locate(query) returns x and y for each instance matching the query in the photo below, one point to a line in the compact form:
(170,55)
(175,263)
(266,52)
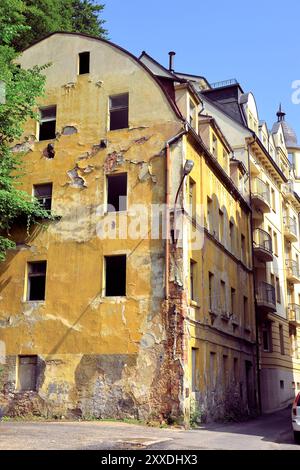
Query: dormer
(188,101)
(248,103)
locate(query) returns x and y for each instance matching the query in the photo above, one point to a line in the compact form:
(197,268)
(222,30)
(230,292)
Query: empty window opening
(235,370)
(43,193)
(193,266)
(194,369)
(118,112)
(84,63)
(47,123)
(117,192)
(115,275)
(37,280)
(210,291)
(27,373)
(212,370)
(282,384)
(281,339)
(266,337)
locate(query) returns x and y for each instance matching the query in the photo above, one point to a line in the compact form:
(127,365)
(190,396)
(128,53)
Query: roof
(133,57)
(290,135)
(160,69)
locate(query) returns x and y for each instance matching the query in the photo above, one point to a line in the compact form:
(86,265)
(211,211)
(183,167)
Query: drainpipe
(254,290)
(167,212)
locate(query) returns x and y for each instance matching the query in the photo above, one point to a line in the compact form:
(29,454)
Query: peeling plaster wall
(105,357)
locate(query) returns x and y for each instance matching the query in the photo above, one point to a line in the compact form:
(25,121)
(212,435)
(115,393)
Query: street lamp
(188,166)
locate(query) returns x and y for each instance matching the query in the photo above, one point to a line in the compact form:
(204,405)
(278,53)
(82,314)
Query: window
(212,370)
(235,370)
(266,337)
(272,277)
(194,369)
(43,193)
(209,215)
(246,311)
(223,296)
(282,384)
(225,371)
(117,192)
(214,148)
(231,235)
(47,123)
(36,280)
(281,338)
(27,373)
(278,293)
(192,197)
(115,275)
(243,248)
(273,200)
(118,111)
(225,154)
(192,114)
(221,225)
(210,287)
(193,266)
(275,242)
(232,294)
(84,63)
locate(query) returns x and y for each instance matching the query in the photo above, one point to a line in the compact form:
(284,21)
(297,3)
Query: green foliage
(23,87)
(46,16)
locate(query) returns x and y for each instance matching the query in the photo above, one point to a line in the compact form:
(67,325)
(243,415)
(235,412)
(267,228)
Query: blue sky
(255,41)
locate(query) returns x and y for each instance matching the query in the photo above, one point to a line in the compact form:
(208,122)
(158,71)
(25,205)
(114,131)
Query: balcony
(262,245)
(290,229)
(261,196)
(265,297)
(294,314)
(288,190)
(292,271)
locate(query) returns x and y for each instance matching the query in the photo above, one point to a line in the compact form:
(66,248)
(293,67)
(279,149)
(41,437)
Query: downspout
(254,290)
(167,211)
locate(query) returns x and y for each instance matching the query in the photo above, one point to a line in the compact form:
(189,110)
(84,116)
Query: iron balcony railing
(292,268)
(294,312)
(290,225)
(265,294)
(231,81)
(261,190)
(262,239)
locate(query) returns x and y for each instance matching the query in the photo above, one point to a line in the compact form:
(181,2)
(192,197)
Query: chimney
(171,65)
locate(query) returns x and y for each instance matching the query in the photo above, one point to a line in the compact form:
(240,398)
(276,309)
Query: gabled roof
(158,69)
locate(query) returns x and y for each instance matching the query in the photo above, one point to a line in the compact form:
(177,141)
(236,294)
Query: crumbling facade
(138,300)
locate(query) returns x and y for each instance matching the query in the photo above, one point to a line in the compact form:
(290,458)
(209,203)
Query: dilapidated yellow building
(136,301)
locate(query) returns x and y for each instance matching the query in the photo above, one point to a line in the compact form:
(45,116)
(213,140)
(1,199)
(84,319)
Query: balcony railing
(262,240)
(292,270)
(290,228)
(294,313)
(265,296)
(261,195)
(231,81)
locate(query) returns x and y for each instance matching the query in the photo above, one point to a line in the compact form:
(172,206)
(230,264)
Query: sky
(257,42)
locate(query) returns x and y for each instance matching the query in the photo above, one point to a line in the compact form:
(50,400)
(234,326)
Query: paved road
(268,432)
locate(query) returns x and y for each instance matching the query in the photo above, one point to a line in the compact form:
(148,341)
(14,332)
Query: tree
(23,87)
(46,16)
(85,18)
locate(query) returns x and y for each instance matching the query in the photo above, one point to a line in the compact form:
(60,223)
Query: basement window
(43,193)
(117,192)
(47,123)
(36,280)
(27,373)
(115,275)
(84,63)
(118,112)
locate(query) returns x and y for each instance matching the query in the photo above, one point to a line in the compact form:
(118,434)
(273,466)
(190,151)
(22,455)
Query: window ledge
(194,303)
(34,302)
